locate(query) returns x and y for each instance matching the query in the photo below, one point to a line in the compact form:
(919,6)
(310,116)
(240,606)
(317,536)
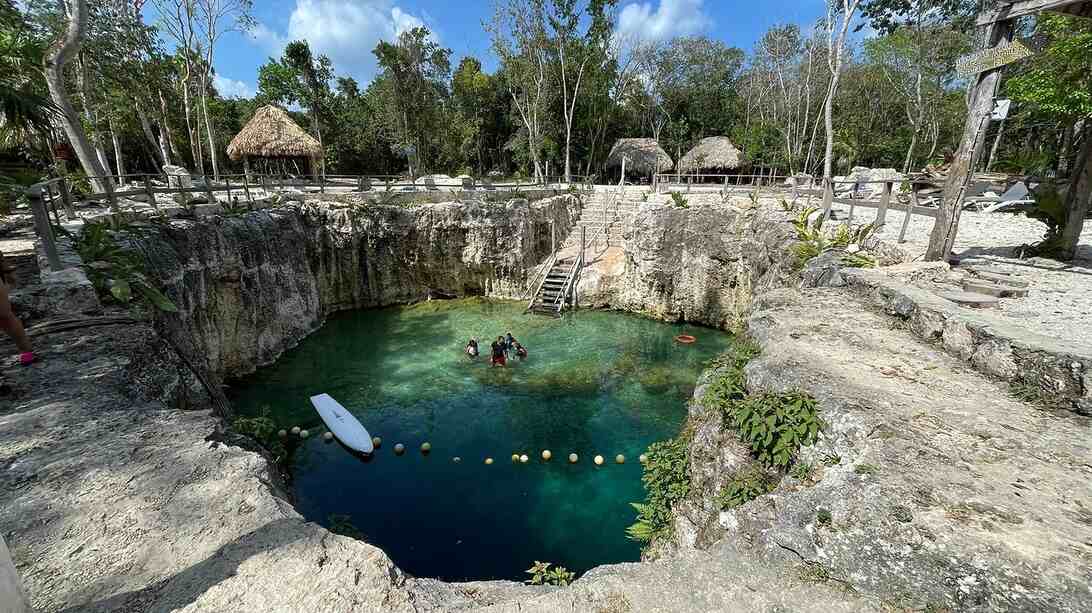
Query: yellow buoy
(643,458)
(523,459)
(546,455)
(456,459)
(399,448)
(488,461)
(304,434)
(426,447)
(573,458)
(329,436)
(515,457)
(295,429)
(376,442)
(282,433)
(620,459)
(598,460)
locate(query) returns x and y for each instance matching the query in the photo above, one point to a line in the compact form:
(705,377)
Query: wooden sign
(1000,109)
(990,59)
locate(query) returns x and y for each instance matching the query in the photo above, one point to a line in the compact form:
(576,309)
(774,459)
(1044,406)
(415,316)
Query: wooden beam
(1023,8)
(970,145)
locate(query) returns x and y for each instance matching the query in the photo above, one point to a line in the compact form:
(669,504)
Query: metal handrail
(559,302)
(542,281)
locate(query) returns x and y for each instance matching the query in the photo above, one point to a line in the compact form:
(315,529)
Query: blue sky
(347,30)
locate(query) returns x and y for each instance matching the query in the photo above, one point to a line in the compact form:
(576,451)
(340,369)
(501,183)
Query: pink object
(26,358)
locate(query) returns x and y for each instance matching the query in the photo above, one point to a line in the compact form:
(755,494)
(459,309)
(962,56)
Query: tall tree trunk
(208,127)
(119,157)
(166,136)
(90,114)
(159,152)
(193,134)
(60,52)
(1078,197)
(982,95)
(1064,150)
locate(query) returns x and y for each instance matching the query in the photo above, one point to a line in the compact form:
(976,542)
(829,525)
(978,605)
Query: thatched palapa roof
(271,133)
(643,155)
(713,152)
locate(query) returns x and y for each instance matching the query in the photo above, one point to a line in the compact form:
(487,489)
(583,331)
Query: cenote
(595,383)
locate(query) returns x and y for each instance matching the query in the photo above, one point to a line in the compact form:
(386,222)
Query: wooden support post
(909,212)
(208,190)
(42,227)
(553,239)
(885,201)
(246,190)
(53,202)
(108,183)
(227,181)
(360,183)
(149,193)
(852,208)
(979,108)
(66,195)
(795,189)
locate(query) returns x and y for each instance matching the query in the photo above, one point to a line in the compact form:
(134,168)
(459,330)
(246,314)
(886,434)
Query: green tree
(416,69)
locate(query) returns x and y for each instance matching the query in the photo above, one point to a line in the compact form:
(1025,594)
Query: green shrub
(777,425)
(542,574)
(667,481)
(343,525)
(743,488)
(116,271)
(814,240)
(679,201)
(823,518)
(262,429)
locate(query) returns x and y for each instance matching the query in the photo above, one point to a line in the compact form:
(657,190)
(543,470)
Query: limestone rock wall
(703,264)
(249,287)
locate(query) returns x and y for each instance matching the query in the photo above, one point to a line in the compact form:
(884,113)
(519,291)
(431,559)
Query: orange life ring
(685,339)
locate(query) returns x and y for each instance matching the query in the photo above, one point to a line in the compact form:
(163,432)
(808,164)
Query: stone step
(993,289)
(970,299)
(1002,279)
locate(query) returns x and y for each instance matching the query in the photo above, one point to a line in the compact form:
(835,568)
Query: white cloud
(231,88)
(346,31)
(672,18)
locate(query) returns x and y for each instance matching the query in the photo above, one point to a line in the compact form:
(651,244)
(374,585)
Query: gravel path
(1059,303)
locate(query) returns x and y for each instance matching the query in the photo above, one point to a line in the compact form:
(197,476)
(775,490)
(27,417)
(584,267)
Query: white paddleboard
(342,423)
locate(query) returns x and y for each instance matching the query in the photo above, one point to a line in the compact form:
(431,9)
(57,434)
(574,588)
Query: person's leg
(11,324)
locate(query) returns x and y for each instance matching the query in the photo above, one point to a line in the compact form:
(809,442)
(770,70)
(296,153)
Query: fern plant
(667,481)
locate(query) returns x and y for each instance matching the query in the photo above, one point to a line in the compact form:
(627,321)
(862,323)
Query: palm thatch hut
(642,155)
(713,153)
(271,134)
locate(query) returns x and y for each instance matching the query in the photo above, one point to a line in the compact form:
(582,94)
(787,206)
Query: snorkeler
(521,351)
(499,348)
(472,349)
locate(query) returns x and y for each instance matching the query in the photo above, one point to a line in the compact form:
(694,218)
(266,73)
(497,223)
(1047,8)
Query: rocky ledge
(119,492)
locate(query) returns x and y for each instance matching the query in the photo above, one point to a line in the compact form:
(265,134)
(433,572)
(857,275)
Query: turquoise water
(595,383)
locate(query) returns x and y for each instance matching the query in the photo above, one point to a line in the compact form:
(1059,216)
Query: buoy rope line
(426,449)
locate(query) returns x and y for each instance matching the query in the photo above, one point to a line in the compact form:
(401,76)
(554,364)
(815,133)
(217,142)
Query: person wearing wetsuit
(521,352)
(499,349)
(472,349)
